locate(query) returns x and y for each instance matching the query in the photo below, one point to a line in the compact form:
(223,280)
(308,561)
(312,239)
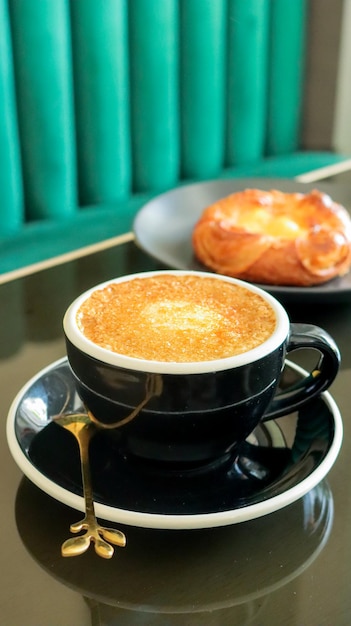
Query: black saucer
(279,463)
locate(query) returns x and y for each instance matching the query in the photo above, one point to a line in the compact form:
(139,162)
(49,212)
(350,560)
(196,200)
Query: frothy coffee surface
(178,318)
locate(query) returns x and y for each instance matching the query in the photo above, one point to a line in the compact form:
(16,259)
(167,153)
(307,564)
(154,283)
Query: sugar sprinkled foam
(176,318)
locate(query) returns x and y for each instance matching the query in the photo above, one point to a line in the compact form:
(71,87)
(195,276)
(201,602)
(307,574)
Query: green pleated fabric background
(101,90)
(43,75)
(154,93)
(286,73)
(248,48)
(202,87)
(11,213)
(105,104)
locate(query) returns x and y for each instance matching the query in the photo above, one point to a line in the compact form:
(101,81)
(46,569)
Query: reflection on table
(179,577)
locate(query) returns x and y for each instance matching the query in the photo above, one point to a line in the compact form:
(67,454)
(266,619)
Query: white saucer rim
(167,521)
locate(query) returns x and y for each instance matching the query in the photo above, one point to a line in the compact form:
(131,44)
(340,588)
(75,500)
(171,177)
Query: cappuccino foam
(176,318)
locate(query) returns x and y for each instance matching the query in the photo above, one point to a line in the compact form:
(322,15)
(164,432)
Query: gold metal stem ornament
(80,425)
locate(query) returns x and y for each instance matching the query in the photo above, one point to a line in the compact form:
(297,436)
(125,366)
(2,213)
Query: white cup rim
(88,347)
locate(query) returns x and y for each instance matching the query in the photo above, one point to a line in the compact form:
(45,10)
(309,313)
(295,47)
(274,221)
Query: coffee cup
(182,365)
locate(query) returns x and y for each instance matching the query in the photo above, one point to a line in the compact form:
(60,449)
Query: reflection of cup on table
(190,577)
(184,365)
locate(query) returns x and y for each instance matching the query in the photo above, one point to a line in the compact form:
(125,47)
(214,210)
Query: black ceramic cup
(193,414)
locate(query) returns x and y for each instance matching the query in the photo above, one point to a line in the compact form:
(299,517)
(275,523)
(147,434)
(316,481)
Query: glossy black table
(289,568)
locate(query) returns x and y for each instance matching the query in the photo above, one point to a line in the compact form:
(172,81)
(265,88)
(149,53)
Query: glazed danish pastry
(277,238)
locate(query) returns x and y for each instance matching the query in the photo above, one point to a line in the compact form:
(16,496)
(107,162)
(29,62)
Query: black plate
(280,462)
(164,225)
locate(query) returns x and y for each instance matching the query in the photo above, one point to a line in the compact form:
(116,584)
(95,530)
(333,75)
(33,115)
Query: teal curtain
(43,73)
(248,45)
(11,207)
(286,71)
(202,86)
(153,31)
(101,79)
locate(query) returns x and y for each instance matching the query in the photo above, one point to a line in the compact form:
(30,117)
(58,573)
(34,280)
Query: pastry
(277,238)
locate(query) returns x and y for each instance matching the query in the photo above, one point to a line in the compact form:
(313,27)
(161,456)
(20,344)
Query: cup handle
(318,380)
